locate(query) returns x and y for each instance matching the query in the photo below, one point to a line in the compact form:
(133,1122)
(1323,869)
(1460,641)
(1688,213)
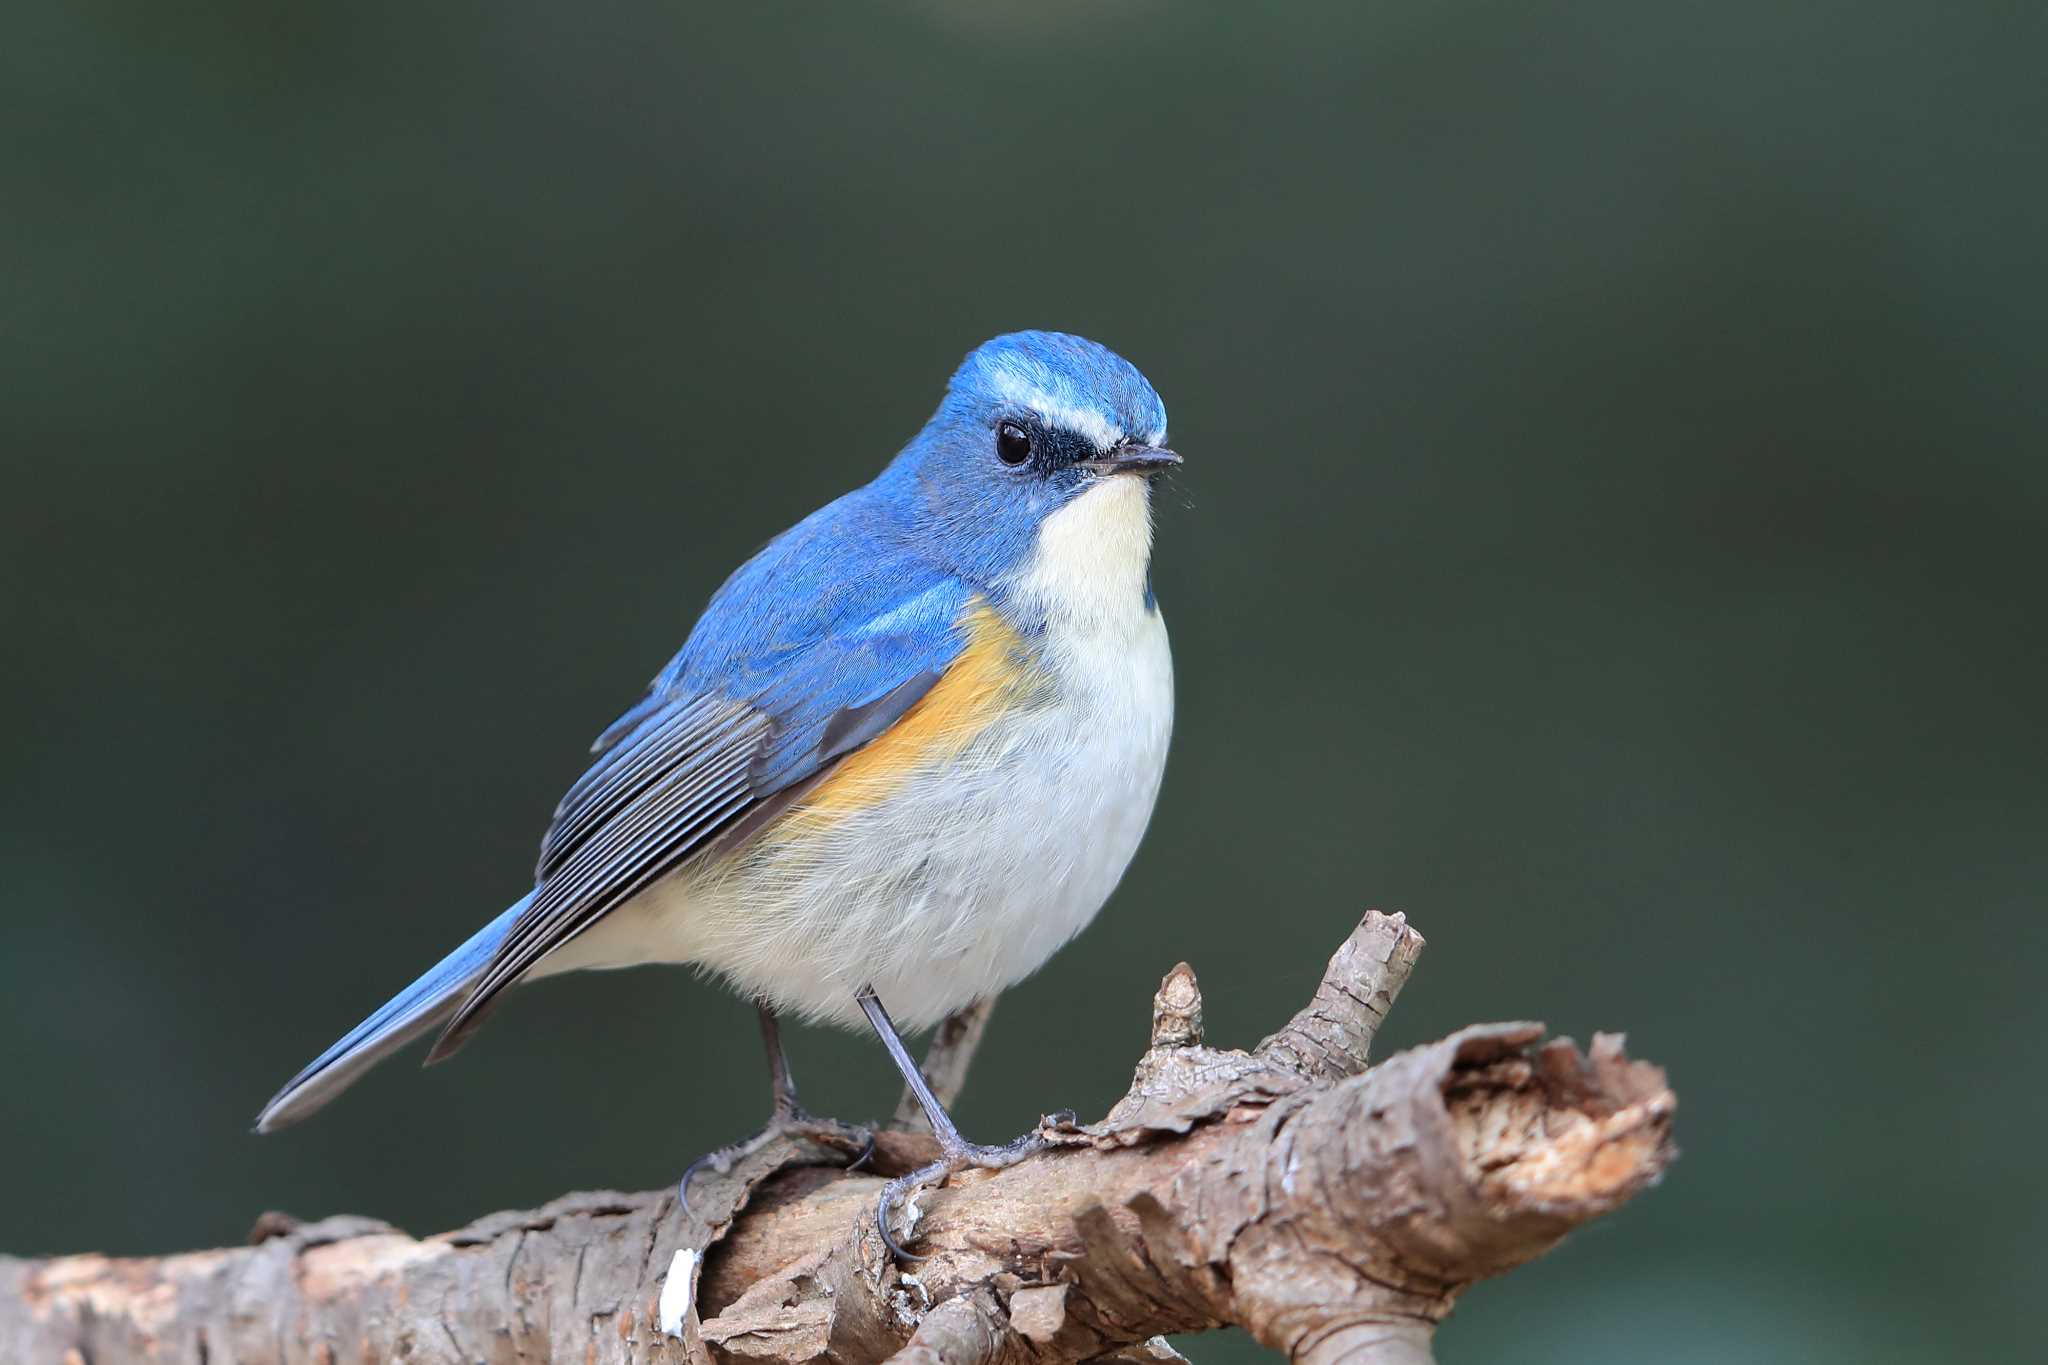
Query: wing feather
(663,743)
(643,836)
(691,764)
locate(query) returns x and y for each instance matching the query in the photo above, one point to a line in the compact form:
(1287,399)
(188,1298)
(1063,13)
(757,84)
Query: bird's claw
(957,1156)
(894,1193)
(794,1124)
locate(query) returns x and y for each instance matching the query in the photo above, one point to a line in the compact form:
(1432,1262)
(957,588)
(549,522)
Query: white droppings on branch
(678,1292)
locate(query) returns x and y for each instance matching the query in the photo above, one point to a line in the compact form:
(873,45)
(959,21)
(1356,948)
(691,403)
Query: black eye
(1013,443)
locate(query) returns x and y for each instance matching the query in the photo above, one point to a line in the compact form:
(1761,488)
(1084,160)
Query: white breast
(968,878)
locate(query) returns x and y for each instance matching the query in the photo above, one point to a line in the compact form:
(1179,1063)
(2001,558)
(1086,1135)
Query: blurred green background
(1612,532)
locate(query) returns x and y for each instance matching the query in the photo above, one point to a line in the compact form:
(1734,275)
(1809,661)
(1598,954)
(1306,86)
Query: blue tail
(422,1006)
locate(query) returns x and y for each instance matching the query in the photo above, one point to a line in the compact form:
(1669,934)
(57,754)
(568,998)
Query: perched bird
(905,754)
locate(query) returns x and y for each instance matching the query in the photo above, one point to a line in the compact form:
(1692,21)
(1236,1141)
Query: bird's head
(1038,464)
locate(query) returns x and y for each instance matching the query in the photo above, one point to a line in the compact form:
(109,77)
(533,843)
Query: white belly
(961,883)
(971,874)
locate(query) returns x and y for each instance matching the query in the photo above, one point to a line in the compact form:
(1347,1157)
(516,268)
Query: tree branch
(1335,1212)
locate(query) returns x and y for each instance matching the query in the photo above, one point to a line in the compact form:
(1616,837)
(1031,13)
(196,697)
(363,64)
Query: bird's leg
(786,1118)
(946,1062)
(957,1153)
(782,1085)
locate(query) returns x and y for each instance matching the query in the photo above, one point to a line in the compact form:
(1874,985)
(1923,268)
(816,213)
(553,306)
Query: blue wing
(815,646)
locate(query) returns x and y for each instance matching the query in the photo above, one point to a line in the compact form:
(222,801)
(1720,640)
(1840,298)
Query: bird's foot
(855,1142)
(956,1155)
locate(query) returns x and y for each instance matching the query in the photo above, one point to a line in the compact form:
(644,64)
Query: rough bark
(1334,1211)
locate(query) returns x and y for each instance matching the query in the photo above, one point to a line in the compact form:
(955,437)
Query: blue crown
(1070,380)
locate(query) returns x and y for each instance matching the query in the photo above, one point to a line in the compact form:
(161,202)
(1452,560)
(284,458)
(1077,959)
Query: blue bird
(905,754)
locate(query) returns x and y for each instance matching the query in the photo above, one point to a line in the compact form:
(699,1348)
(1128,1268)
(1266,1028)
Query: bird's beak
(1132,458)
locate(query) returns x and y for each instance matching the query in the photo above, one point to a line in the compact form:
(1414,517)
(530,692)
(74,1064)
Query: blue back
(865,592)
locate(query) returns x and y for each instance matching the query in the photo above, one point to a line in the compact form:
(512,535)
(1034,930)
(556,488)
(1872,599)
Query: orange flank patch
(990,673)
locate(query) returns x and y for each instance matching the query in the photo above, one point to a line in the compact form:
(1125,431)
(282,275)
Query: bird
(906,753)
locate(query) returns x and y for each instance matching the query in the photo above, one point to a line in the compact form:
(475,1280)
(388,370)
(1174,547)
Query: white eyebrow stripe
(1086,423)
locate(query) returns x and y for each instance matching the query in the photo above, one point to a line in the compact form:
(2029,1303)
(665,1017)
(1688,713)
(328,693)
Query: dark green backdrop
(1611,532)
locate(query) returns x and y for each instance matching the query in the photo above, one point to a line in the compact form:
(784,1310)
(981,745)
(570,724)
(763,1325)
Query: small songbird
(906,753)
